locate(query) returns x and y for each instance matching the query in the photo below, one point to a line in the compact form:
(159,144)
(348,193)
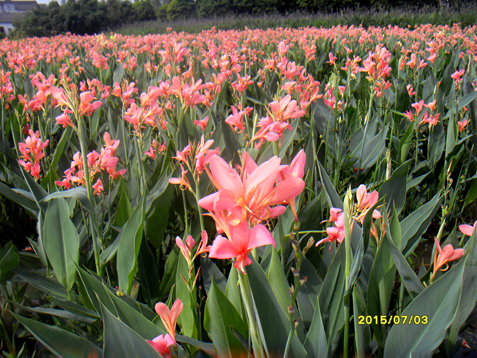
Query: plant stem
(96,243)
(199,208)
(248,303)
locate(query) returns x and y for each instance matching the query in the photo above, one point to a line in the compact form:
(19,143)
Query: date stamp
(388,320)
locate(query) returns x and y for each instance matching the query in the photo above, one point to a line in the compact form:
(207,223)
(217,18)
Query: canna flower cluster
(365,201)
(32,152)
(106,161)
(245,200)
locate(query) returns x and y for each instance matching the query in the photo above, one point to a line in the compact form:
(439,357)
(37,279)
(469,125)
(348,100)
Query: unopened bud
(296,273)
(303,280)
(309,244)
(291,309)
(292,290)
(296,322)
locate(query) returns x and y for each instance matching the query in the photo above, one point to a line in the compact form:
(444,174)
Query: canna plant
(294,193)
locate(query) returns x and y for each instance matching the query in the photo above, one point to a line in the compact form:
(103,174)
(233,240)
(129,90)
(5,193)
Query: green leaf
(29,205)
(45,284)
(288,138)
(61,242)
(232,291)
(155,193)
(220,317)
(308,294)
(168,278)
(315,342)
(156,223)
(278,282)
(148,275)
(274,323)
(59,313)
(394,189)
(187,319)
(415,224)
(408,276)
(381,282)
(211,273)
(331,299)
(128,250)
(438,302)
(122,341)
(80,193)
(60,148)
(466,99)
(332,196)
(8,259)
(60,342)
(405,142)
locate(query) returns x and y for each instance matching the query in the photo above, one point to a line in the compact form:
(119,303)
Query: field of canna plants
(258,193)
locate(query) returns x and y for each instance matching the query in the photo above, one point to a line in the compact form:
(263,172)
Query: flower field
(260,193)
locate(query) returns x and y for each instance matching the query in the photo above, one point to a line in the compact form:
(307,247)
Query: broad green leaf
(60,148)
(381,282)
(274,324)
(8,259)
(79,193)
(188,318)
(308,294)
(59,313)
(315,342)
(232,291)
(331,300)
(405,142)
(408,276)
(122,341)
(45,284)
(156,222)
(60,342)
(466,99)
(278,282)
(332,196)
(128,250)
(288,138)
(61,242)
(210,272)
(436,308)
(155,193)
(416,223)
(167,280)
(394,189)
(220,316)
(148,275)
(29,205)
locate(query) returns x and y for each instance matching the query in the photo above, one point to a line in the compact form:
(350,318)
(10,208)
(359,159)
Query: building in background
(11,8)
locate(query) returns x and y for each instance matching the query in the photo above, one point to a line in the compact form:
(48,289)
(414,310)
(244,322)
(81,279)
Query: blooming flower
(447,254)
(242,241)
(161,344)
(467,229)
(169,317)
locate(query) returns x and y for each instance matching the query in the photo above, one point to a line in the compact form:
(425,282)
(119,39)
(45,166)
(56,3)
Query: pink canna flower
(366,201)
(242,241)
(447,254)
(457,75)
(202,123)
(467,229)
(169,317)
(334,234)
(285,109)
(161,344)
(249,197)
(32,153)
(235,120)
(462,124)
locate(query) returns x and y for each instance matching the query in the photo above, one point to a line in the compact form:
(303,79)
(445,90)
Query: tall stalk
(347,212)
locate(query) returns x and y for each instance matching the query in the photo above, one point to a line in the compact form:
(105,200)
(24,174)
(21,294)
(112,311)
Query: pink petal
(287,189)
(264,176)
(260,236)
(466,229)
(225,175)
(223,249)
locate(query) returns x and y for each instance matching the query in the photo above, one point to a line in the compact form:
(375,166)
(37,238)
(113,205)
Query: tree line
(93,16)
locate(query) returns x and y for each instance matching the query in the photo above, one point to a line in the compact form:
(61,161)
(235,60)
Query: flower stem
(248,303)
(96,243)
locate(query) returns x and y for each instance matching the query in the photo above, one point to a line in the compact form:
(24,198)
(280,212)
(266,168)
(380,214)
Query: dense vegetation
(93,16)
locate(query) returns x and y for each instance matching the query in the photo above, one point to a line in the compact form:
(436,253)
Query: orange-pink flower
(447,254)
(467,229)
(241,241)
(161,344)
(169,317)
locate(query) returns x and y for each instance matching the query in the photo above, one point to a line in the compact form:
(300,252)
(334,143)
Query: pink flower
(447,254)
(161,344)
(235,120)
(202,123)
(169,317)
(242,241)
(467,229)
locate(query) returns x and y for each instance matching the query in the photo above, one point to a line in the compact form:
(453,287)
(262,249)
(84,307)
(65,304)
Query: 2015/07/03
(423,320)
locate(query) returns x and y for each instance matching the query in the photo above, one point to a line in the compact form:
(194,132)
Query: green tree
(144,10)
